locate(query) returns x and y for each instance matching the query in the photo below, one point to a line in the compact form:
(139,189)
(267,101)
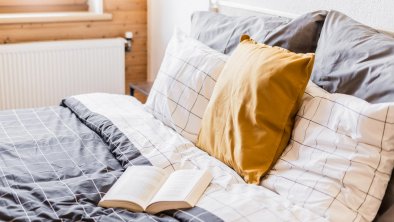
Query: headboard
(377,14)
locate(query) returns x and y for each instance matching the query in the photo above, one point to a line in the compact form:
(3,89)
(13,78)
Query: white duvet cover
(228,197)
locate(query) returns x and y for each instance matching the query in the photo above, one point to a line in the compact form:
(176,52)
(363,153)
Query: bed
(57,163)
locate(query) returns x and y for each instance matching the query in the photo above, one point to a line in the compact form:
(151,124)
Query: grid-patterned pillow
(184,84)
(340,157)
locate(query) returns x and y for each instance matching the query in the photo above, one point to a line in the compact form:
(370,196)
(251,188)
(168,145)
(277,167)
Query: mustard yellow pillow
(251,113)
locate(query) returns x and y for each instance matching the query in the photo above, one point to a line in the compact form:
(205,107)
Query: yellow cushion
(251,113)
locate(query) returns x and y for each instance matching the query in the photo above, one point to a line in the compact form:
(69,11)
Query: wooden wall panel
(128,15)
(15,6)
(41,2)
(49,8)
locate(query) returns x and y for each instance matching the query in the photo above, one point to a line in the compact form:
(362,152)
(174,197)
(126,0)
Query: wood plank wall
(17,6)
(128,15)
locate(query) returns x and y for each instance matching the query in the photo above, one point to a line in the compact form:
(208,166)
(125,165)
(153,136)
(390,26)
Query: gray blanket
(57,162)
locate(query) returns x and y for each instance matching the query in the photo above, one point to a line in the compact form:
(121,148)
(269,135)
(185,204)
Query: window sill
(16,18)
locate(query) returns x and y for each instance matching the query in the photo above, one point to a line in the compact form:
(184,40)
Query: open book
(151,189)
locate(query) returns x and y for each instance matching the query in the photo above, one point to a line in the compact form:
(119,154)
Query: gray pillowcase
(222,32)
(300,35)
(354,59)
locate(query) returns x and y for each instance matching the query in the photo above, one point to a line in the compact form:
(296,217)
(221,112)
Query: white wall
(163,17)
(375,13)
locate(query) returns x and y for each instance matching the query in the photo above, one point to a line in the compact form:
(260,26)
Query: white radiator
(43,73)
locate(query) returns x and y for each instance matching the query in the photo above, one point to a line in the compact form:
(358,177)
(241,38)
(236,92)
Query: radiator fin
(41,74)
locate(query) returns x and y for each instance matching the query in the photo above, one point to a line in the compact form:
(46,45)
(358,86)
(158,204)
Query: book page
(137,184)
(180,184)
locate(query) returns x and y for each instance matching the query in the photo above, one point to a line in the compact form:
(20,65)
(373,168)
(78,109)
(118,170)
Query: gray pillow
(222,32)
(354,59)
(300,35)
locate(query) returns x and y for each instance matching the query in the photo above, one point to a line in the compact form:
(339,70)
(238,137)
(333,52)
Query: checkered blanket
(57,162)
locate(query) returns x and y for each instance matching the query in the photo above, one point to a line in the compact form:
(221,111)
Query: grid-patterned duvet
(57,162)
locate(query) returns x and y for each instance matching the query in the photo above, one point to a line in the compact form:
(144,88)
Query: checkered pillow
(184,84)
(340,157)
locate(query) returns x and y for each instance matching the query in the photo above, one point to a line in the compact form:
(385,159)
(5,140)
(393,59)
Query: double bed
(56,163)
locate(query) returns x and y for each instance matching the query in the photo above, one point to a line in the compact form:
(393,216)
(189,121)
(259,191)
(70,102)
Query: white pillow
(340,157)
(184,84)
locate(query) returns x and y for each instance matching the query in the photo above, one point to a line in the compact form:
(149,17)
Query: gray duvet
(57,162)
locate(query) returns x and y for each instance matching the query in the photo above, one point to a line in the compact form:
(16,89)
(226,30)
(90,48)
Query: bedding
(355,59)
(57,162)
(249,119)
(340,156)
(184,84)
(300,35)
(222,32)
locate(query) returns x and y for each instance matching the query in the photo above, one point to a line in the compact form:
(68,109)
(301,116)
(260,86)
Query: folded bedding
(57,162)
